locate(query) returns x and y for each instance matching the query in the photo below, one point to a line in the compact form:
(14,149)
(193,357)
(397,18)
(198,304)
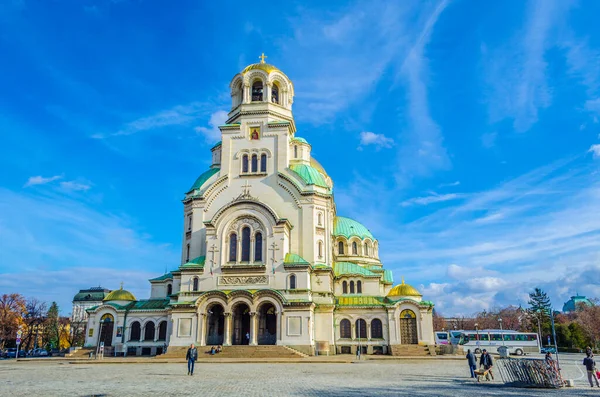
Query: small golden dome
(404,290)
(120,295)
(262,65)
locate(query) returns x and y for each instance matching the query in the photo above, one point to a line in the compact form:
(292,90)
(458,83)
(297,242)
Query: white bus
(517,343)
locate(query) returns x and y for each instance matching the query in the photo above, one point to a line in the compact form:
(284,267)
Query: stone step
(262,351)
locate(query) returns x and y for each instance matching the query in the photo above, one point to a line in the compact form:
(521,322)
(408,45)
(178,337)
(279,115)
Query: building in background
(571,304)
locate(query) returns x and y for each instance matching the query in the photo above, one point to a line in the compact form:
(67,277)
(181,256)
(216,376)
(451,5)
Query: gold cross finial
(121,285)
(262,57)
(402,280)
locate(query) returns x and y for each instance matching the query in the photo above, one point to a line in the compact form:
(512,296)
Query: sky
(464,134)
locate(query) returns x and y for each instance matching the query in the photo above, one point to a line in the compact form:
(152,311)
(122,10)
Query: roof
(388,277)
(120,295)
(361,301)
(216,145)
(294,259)
(403,290)
(571,304)
(194,263)
(92,294)
(203,178)
(267,67)
(310,175)
(349,228)
(315,164)
(150,304)
(299,139)
(352,269)
(166,276)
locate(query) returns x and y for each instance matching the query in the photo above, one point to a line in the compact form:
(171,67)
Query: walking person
(590,366)
(472,361)
(191,357)
(486,361)
(247,338)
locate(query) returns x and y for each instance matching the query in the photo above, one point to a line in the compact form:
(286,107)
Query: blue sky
(464,134)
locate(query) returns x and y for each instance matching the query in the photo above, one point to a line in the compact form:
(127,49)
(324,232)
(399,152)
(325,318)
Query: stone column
(368,331)
(353,330)
(246,94)
(156,332)
(227,341)
(252,238)
(253,329)
(200,337)
(267,93)
(279,322)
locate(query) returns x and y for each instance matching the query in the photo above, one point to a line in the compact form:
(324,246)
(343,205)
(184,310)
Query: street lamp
(501,331)
(477,330)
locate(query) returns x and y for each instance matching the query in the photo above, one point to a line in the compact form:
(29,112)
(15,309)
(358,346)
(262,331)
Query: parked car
(12,353)
(40,353)
(548,349)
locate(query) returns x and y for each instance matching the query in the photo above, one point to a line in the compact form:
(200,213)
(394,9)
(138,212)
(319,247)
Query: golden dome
(404,290)
(262,65)
(120,295)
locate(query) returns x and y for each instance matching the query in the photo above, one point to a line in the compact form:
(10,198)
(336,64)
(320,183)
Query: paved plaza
(431,377)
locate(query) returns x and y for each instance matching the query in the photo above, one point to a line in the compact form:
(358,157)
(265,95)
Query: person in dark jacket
(472,361)
(590,366)
(191,357)
(486,361)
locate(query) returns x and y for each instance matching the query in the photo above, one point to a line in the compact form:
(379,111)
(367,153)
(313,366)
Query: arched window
(254,163)
(246,244)
(263,163)
(275,94)
(361,328)
(351,287)
(258,247)
(233,248)
(245,163)
(366,249)
(354,248)
(359,287)
(136,331)
(162,330)
(169,289)
(149,331)
(376,329)
(195,286)
(345,331)
(257,91)
(320,219)
(341,248)
(295,151)
(187,253)
(189,222)
(320,249)
(345,287)
(293,281)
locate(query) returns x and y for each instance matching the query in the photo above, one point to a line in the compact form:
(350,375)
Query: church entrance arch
(408,328)
(267,324)
(241,325)
(216,325)
(107,323)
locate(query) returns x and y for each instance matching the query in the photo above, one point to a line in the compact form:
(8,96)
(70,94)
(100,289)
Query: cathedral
(265,257)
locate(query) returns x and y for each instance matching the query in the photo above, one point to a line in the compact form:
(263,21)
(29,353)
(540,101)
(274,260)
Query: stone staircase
(238,351)
(412,350)
(81,353)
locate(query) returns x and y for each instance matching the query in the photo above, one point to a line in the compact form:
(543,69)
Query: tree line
(41,325)
(575,330)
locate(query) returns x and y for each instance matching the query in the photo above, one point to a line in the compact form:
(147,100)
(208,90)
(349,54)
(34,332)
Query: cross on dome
(262,57)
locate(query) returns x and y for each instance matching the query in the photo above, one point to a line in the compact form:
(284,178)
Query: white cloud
(377,140)
(450,184)
(434,198)
(75,186)
(595,149)
(40,180)
(212,134)
(593,106)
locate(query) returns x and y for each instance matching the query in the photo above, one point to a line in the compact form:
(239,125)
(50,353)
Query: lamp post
(477,330)
(359,345)
(501,331)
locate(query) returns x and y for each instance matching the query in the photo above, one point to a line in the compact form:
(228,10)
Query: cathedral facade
(265,258)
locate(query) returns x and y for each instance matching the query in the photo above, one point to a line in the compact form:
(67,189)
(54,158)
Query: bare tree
(12,310)
(33,323)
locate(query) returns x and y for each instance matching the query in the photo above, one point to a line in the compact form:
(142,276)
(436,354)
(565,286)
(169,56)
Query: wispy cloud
(517,72)
(378,140)
(75,186)
(450,184)
(595,149)
(40,180)
(212,133)
(433,198)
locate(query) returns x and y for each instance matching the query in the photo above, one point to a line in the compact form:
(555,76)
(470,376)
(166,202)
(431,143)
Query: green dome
(310,175)
(571,304)
(300,140)
(349,228)
(203,178)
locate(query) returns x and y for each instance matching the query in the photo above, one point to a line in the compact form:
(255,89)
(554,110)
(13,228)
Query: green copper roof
(352,269)
(388,277)
(310,175)
(216,145)
(150,304)
(166,276)
(92,294)
(361,301)
(298,139)
(203,178)
(349,227)
(294,259)
(194,263)
(571,304)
